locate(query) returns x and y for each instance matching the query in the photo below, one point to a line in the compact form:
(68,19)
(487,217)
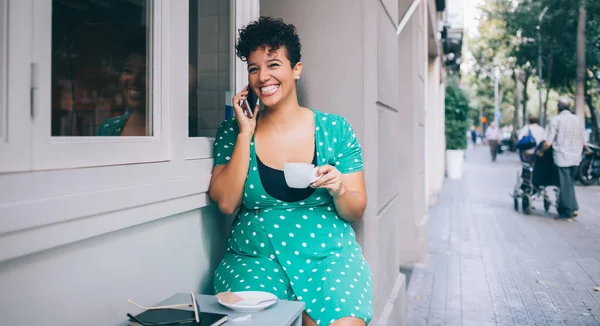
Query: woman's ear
(297,70)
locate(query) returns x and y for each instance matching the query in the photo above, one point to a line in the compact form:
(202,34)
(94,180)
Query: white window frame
(15,137)
(242,12)
(246,11)
(74,152)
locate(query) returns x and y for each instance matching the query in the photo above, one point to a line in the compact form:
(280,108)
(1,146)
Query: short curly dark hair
(271,32)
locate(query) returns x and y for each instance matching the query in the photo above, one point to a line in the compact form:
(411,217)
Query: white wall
(434,132)
(89,282)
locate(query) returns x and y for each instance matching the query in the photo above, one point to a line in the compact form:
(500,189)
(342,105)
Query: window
(216,74)
(81,69)
(100,68)
(100,55)
(210,54)
(15,76)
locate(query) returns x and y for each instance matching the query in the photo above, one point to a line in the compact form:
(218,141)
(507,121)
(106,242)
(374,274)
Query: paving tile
(490,265)
(477,323)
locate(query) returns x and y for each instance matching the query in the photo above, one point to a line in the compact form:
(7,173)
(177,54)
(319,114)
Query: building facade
(88,221)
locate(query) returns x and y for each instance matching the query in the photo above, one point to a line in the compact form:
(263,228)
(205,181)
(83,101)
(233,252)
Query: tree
(516,43)
(575,59)
(581,71)
(490,51)
(515,119)
(590,103)
(522,31)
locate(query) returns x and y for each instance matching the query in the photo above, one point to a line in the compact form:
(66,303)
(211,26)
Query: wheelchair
(537,179)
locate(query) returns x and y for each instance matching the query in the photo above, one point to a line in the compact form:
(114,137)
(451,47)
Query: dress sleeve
(225,141)
(349,153)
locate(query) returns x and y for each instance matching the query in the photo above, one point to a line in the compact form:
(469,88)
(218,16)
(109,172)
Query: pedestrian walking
(492,136)
(566,135)
(474,136)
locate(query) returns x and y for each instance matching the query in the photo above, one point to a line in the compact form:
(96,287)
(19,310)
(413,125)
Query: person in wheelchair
(537,172)
(544,172)
(530,136)
(531,140)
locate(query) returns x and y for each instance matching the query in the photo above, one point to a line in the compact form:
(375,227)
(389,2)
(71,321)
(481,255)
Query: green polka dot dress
(298,250)
(113,126)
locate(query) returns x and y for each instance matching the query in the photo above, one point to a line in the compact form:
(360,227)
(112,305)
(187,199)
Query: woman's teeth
(269,89)
(133,93)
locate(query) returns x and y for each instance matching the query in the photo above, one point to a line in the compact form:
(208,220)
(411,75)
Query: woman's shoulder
(116,120)
(331,120)
(112,126)
(228,126)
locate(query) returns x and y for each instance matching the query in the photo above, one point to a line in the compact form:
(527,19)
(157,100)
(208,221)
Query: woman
(537,132)
(295,243)
(132,82)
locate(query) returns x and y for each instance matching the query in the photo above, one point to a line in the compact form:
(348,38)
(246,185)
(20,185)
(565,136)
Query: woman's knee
(349,321)
(306,320)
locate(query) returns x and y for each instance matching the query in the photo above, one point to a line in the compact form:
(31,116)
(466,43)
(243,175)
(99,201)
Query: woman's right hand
(246,125)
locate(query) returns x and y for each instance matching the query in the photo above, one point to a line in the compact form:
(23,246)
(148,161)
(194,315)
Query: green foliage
(508,37)
(457,110)
(491,49)
(480,91)
(558,32)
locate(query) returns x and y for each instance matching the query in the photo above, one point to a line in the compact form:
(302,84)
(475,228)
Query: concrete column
(388,205)
(413,242)
(434,132)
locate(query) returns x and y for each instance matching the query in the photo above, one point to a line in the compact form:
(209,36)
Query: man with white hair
(566,135)
(492,136)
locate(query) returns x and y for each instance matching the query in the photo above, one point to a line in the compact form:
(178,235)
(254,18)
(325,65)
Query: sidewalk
(489,265)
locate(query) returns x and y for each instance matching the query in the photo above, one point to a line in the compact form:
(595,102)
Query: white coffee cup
(300,175)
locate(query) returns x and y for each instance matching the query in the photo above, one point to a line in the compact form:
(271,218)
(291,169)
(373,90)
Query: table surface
(282,313)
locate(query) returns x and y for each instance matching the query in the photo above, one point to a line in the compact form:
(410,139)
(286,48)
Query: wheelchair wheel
(516,202)
(547,204)
(526,204)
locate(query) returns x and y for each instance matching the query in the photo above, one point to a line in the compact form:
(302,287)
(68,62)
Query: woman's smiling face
(133,81)
(271,76)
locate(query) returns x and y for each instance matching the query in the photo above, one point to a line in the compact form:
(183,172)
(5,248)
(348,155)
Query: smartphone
(251,101)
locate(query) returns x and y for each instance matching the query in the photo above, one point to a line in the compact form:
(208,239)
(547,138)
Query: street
(490,265)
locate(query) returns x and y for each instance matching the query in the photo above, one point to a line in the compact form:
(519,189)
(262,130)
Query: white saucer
(251,298)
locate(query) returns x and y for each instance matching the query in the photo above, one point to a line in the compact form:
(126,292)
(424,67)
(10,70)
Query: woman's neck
(137,117)
(284,114)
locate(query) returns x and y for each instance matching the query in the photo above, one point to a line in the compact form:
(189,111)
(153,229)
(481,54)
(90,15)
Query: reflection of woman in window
(132,82)
(295,243)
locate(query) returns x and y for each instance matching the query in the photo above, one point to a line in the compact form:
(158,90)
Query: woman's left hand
(331,179)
